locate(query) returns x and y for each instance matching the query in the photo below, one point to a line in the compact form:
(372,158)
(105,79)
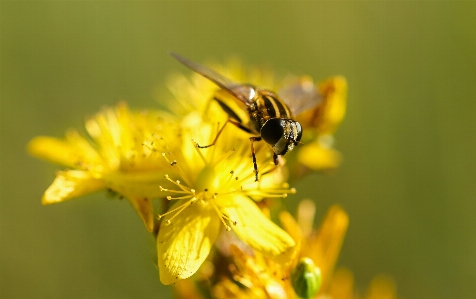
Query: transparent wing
(300,96)
(242,92)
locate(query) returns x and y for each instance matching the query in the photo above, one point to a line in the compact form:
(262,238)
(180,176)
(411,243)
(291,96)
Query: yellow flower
(113,158)
(326,117)
(320,124)
(322,245)
(252,275)
(259,275)
(213,190)
(342,287)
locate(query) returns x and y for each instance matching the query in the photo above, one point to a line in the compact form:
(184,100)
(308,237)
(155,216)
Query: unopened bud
(306,278)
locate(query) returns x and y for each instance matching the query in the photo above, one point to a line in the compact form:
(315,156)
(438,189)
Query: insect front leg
(216,137)
(253,156)
(277,163)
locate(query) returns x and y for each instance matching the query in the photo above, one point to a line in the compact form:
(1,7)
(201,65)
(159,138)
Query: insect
(271,114)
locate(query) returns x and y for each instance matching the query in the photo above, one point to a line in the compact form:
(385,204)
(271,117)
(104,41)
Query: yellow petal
(334,90)
(187,289)
(324,249)
(136,184)
(292,228)
(341,286)
(70,184)
(382,287)
(256,230)
(185,243)
(327,116)
(54,150)
(317,157)
(144,208)
(70,152)
(290,225)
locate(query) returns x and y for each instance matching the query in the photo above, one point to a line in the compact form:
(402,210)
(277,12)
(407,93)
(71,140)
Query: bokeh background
(408,180)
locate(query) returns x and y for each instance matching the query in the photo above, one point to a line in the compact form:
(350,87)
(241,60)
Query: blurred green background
(408,180)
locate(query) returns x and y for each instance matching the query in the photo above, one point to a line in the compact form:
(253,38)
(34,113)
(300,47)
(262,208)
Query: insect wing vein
(235,89)
(300,97)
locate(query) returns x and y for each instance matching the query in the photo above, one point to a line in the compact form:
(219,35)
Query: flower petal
(70,184)
(334,90)
(382,287)
(317,157)
(144,208)
(256,230)
(54,150)
(341,285)
(325,247)
(185,243)
(71,151)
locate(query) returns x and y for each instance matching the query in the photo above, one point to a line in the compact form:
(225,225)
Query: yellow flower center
(207,180)
(212,185)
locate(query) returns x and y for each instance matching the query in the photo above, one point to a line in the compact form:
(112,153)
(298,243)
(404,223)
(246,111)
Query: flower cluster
(214,218)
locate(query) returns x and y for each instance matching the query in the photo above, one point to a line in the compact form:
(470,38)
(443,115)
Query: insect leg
(253,155)
(216,137)
(240,125)
(277,164)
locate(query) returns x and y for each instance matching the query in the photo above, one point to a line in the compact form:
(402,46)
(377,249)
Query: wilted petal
(70,184)
(256,230)
(185,243)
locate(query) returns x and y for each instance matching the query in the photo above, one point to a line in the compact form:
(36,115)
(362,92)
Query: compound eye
(272,131)
(299,132)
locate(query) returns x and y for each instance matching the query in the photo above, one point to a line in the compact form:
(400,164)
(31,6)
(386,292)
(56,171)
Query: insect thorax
(267,105)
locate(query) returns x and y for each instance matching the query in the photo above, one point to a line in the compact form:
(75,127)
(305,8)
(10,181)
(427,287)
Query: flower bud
(306,278)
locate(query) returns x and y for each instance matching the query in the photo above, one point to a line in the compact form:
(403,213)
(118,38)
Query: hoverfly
(271,115)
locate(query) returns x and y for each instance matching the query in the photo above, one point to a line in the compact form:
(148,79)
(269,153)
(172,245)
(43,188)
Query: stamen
(222,216)
(150,146)
(275,193)
(174,163)
(181,197)
(179,209)
(174,191)
(229,219)
(230,177)
(247,177)
(177,183)
(195,145)
(165,157)
(223,157)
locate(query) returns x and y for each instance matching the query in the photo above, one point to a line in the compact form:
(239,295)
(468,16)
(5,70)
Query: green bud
(306,278)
